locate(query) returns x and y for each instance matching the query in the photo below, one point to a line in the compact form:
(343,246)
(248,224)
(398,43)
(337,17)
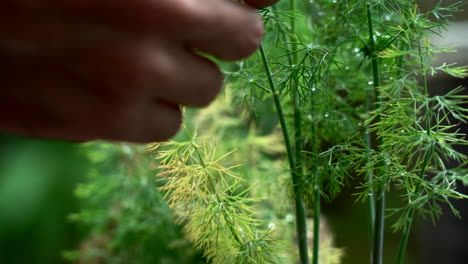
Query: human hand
(115,69)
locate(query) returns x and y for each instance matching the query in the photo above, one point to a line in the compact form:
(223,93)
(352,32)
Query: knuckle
(165,69)
(186,10)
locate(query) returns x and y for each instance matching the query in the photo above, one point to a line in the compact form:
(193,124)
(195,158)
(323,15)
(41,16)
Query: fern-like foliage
(208,198)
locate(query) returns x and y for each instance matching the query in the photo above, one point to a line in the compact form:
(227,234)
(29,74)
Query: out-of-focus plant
(124,217)
(208,197)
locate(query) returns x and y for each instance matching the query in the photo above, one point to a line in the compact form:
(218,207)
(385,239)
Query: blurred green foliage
(124,216)
(37,178)
(119,216)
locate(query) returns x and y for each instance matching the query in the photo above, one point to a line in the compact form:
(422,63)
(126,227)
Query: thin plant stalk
(409,223)
(379,221)
(298,138)
(316,253)
(301,226)
(427,156)
(298,143)
(234,234)
(369,173)
(316,191)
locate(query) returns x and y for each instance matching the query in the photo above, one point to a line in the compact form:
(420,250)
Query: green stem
(369,173)
(230,224)
(295,96)
(427,157)
(298,140)
(407,229)
(301,226)
(379,223)
(317,185)
(316,253)
(377,248)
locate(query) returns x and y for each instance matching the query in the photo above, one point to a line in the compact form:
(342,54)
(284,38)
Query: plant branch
(409,223)
(230,224)
(426,160)
(301,226)
(316,253)
(378,233)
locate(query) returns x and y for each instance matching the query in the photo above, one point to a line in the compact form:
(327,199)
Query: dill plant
(405,124)
(122,218)
(344,84)
(207,196)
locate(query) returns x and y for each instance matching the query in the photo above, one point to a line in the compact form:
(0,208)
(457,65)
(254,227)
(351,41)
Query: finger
(227,30)
(126,72)
(148,121)
(224,28)
(38,100)
(32,33)
(135,13)
(60,108)
(156,122)
(197,80)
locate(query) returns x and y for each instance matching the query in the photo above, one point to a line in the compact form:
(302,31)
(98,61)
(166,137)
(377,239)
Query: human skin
(119,70)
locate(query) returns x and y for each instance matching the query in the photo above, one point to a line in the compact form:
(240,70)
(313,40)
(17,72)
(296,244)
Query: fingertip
(164,121)
(246,43)
(209,90)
